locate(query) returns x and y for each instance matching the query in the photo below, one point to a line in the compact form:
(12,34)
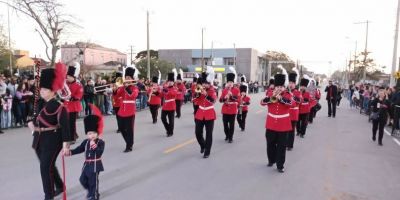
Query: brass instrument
(65,93)
(275,96)
(154,89)
(240,111)
(199,88)
(118,82)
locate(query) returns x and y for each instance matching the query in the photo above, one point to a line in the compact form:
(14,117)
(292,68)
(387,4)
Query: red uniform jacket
(116,99)
(155,96)
(305,106)
(245,102)
(230,105)
(278,117)
(74,103)
(128,100)
(181,91)
(315,98)
(169,95)
(206,109)
(294,111)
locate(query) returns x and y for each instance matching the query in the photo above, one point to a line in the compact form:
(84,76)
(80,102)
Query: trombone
(118,82)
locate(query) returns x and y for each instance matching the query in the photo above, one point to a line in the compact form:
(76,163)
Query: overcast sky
(312,31)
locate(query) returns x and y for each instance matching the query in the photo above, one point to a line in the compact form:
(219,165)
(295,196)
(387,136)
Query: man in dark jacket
(331,97)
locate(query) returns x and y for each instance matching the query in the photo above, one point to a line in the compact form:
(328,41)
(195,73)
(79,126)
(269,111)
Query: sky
(321,34)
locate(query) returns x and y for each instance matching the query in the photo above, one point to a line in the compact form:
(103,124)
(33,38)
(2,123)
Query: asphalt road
(337,160)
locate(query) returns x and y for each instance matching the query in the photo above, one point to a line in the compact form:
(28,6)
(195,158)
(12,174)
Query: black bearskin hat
(280,79)
(230,77)
(154,79)
(179,77)
(271,81)
(292,77)
(304,82)
(171,77)
(91,123)
(243,88)
(130,72)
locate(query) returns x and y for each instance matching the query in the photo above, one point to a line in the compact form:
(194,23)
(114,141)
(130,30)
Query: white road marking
(394,139)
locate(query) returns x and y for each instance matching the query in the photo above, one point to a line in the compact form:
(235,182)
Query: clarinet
(37,90)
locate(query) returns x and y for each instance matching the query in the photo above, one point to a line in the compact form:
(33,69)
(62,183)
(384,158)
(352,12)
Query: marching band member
(73,104)
(304,108)
(205,116)
(278,124)
(116,100)
(93,147)
(193,89)
(271,86)
(180,95)
(154,93)
(294,111)
(230,98)
(315,96)
(50,129)
(169,94)
(127,111)
(243,105)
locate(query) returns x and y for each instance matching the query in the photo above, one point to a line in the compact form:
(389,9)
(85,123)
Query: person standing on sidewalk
(379,116)
(331,97)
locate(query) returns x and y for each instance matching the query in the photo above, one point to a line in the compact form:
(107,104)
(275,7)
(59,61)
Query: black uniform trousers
(195,108)
(178,104)
(207,143)
(290,141)
(312,114)
(128,130)
(229,125)
(168,124)
(154,112)
(48,170)
(378,124)
(72,123)
(116,109)
(241,118)
(332,107)
(90,181)
(302,124)
(276,147)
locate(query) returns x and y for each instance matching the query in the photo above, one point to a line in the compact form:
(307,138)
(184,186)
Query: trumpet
(199,89)
(275,96)
(118,82)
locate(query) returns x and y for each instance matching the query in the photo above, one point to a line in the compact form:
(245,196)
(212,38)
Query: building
(248,61)
(94,59)
(24,62)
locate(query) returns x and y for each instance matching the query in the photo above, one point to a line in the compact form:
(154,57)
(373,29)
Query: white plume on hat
(244,77)
(233,70)
(159,77)
(210,74)
(77,69)
(196,75)
(284,72)
(298,74)
(175,73)
(181,73)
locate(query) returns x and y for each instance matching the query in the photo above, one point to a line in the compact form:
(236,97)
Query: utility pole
(9,40)
(355,59)
(148,47)
(202,49)
(131,52)
(234,56)
(396,36)
(365,49)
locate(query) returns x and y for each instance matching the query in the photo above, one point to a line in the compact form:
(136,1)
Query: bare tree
(50,21)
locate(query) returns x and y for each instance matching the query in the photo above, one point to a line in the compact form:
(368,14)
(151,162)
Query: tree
(361,63)
(165,67)
(5,52)
(143,55)
(50,21)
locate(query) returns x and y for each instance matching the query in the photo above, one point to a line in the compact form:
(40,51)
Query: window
(228,61)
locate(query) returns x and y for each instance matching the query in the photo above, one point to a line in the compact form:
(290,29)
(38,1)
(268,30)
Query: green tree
(279,56)
(165,67)
(5,52)
(143,55)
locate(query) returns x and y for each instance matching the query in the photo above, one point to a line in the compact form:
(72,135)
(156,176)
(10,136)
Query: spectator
(22,96)
(6,110)
(366,98)
(356,97)
(89,96)
(380,108)
(100,95)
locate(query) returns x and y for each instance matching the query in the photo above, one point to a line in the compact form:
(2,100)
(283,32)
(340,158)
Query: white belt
(304,103)
(206,108)
(278,116)
(169,100)
(231,102)
(128,101)
(295,108)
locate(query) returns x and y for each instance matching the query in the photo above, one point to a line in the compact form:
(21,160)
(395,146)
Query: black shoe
(302,136)
(169,135)
(206,155)
(118,131)
(333,116)
(289,149)
(390,124)
(127,150)
(281,170)
(202,150)
(58,191)
(1,132)
(270,164)
(298,134)
(230,140)
(242,129)
(226,138)
(329,116)
(380,143)
(373,139)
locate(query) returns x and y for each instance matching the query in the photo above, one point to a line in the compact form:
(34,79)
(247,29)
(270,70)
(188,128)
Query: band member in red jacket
(278,122)
(205,115)
(154,100)
(271,86)
(168,109)
(304,108)
(243,107)
(315,96)
(73,102)
(127,111)
(116,100)
(294,111)
(180,95)
(230,98)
